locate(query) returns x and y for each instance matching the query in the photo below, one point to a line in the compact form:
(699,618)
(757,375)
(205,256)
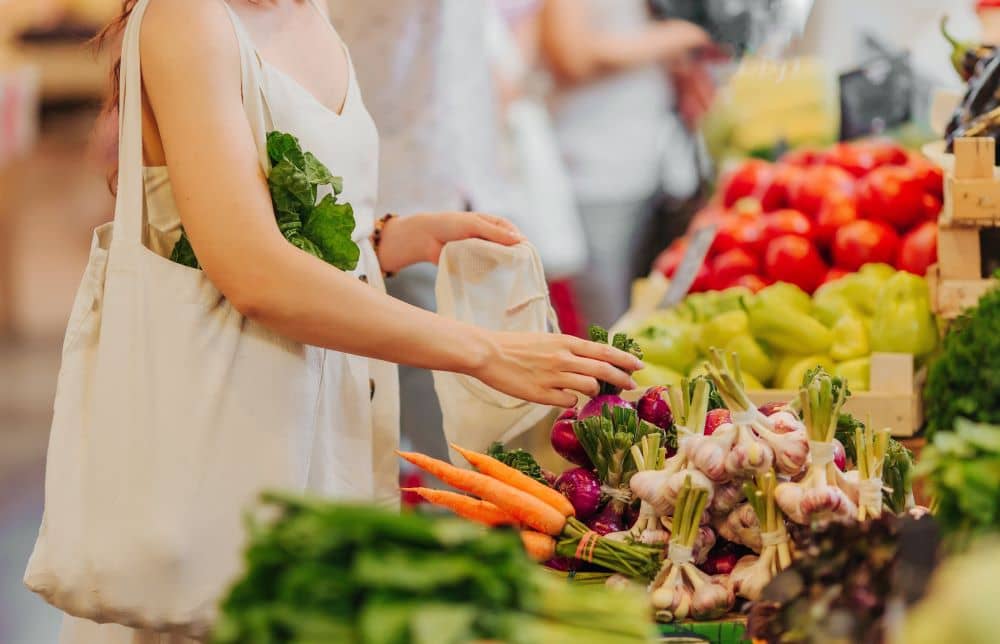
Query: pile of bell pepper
(814,216)
(781,332)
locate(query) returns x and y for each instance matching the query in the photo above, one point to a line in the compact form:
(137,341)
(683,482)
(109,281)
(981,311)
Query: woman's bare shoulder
(188,31)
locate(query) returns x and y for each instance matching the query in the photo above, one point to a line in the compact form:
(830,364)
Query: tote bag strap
(129,212)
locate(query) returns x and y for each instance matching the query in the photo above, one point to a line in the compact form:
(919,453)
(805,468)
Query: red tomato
(748,207)
(892,194)
(919,249)
(777,192)
(794,259)
(834,274)
(736,231)
(786,222)
(861,242)
(750,177)
(839,210)
(411,479)
(855,158)
(732,264)
(929,173)
(816,184)
(930,207)
(802,157)
(752,282)
(885,151)
(668,260)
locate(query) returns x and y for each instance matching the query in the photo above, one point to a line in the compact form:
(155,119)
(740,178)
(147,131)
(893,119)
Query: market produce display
(321,572)
(841,586)
(321,229)
(964,381)
(962,469)
(815,215)
(978,113)
(781,332)
(692,490)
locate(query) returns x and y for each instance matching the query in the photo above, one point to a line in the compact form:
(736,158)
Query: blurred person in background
(425,73)
(543,205)
(631,91)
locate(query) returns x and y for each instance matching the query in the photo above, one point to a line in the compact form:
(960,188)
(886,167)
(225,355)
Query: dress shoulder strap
(129,203)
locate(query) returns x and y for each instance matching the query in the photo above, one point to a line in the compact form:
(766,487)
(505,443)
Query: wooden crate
(971,204)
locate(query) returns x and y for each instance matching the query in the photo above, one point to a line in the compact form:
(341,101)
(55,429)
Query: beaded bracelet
(377,235)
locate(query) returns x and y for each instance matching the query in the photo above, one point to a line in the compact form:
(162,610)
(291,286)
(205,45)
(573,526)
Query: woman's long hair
(110,36)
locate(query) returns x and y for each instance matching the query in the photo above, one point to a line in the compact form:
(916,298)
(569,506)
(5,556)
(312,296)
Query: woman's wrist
(390,242)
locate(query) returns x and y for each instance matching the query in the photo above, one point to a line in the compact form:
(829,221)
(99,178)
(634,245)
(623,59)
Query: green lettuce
(321,229)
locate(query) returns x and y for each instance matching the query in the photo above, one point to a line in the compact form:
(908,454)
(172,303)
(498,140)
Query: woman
(202,170)
(628,96)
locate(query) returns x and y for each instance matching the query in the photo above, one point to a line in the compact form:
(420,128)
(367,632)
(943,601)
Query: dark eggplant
(966,56)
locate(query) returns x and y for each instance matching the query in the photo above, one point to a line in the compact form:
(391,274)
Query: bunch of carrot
(504,496)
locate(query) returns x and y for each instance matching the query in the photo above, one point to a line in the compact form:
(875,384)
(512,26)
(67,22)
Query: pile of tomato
(815,215)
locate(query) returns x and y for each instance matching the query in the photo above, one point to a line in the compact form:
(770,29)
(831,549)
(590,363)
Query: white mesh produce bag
(501,288)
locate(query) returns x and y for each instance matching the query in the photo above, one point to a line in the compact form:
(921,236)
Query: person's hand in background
(420,238)
(695,91)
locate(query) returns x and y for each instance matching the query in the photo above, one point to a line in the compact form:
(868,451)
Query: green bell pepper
(830,306)
(652,375)
(902,321)
(785,295)
(787,328)
(754,360)
(850,338)
(860,289)
(718,331)
(796,371)
(673,345)
(856,372)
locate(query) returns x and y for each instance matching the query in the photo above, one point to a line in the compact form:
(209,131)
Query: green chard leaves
(321,229)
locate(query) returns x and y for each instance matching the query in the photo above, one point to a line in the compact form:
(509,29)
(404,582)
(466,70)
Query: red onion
(583,490)
(654,408)
(595,406)
(565,442)
(715,418)
(720,562)
(608,520)
(839,455)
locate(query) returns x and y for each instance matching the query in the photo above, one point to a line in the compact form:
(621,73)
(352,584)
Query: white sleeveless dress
(356,428)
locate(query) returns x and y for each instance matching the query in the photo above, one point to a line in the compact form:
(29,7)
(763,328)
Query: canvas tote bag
(172,412)
(501,288)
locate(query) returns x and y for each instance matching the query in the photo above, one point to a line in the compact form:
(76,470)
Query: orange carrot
(502,472)
(521,506)
(465,506)
(540,547)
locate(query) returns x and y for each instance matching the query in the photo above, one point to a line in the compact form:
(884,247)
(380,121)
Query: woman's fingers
(600,370)
(586,385)
(557,398)
(605,353)
(496,229)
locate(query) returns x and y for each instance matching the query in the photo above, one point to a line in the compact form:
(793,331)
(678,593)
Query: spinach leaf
(321,229)
(520,460)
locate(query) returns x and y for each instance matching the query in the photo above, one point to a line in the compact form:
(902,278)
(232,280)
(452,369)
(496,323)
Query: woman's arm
(578,52)
(195,95)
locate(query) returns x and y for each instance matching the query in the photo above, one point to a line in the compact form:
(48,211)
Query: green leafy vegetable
(321,229)
(964,380)
(896,470)
(962,469)
(321,572)
(620,341)
(519,459)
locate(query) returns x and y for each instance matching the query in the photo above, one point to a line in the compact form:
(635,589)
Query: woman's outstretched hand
(548,368)
(420,238)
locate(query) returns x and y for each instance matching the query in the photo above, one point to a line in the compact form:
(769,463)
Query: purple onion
(563,564)
(595,406)
(565,442)
(606,521)
(654,407)
(839,455)
(720,562)
(583,490)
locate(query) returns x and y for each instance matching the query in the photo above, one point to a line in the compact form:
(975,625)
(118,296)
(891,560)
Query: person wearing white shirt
(424,70)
